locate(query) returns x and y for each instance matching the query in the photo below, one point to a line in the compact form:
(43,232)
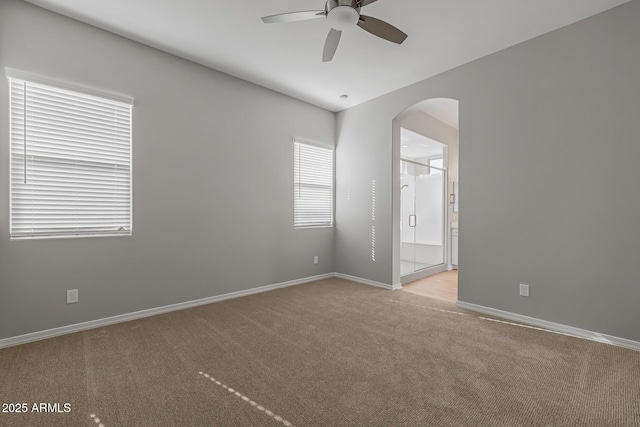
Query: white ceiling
(229,36)
(416,146)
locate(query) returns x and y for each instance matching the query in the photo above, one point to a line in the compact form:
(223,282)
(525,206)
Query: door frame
(396,125)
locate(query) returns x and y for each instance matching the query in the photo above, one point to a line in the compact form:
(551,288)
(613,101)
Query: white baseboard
(54,332)
(366,281)
(557,327)
(50,333)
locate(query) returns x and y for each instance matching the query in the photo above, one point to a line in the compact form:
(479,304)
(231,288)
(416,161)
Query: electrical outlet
(315,259)
(524,290)
(72,296)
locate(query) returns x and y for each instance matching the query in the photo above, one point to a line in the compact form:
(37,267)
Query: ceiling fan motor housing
(342,14)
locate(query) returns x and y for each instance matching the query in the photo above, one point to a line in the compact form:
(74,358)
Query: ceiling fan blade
(381,29)
(331,44)
(362,3)
(293,16)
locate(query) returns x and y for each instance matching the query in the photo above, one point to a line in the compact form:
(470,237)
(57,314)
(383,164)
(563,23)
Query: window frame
(297,184)
(117,101)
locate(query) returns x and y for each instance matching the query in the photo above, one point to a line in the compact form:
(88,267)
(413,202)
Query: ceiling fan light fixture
(343,17)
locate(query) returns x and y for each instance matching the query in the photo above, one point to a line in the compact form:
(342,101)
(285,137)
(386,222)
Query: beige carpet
(328,353)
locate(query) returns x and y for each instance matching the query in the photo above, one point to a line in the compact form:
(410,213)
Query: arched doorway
(425,175)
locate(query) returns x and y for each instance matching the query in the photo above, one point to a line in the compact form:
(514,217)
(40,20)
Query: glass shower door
(422,228)
(429,201)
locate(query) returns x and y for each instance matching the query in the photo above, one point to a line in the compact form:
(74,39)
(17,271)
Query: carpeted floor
(327,353)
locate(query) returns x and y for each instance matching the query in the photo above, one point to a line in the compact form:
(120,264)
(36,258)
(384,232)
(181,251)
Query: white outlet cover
(524,290)
(72,296)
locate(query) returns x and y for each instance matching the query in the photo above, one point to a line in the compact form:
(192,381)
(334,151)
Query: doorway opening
(425,144)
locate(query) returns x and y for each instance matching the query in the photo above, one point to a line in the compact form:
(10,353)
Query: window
(70,163)
(437,163)
(313,185)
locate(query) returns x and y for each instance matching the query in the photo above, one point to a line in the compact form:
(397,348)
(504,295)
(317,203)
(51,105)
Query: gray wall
(548,156)
(212,182)
(549,152)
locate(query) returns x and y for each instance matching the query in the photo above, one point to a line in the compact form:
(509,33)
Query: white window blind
(313,185)
(70,163)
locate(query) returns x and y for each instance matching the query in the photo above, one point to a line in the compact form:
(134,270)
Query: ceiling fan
(342,15)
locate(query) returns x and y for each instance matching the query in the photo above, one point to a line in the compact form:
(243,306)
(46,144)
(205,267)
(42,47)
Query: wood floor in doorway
(442,286)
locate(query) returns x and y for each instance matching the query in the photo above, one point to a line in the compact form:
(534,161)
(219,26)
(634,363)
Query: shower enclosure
(422,224)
